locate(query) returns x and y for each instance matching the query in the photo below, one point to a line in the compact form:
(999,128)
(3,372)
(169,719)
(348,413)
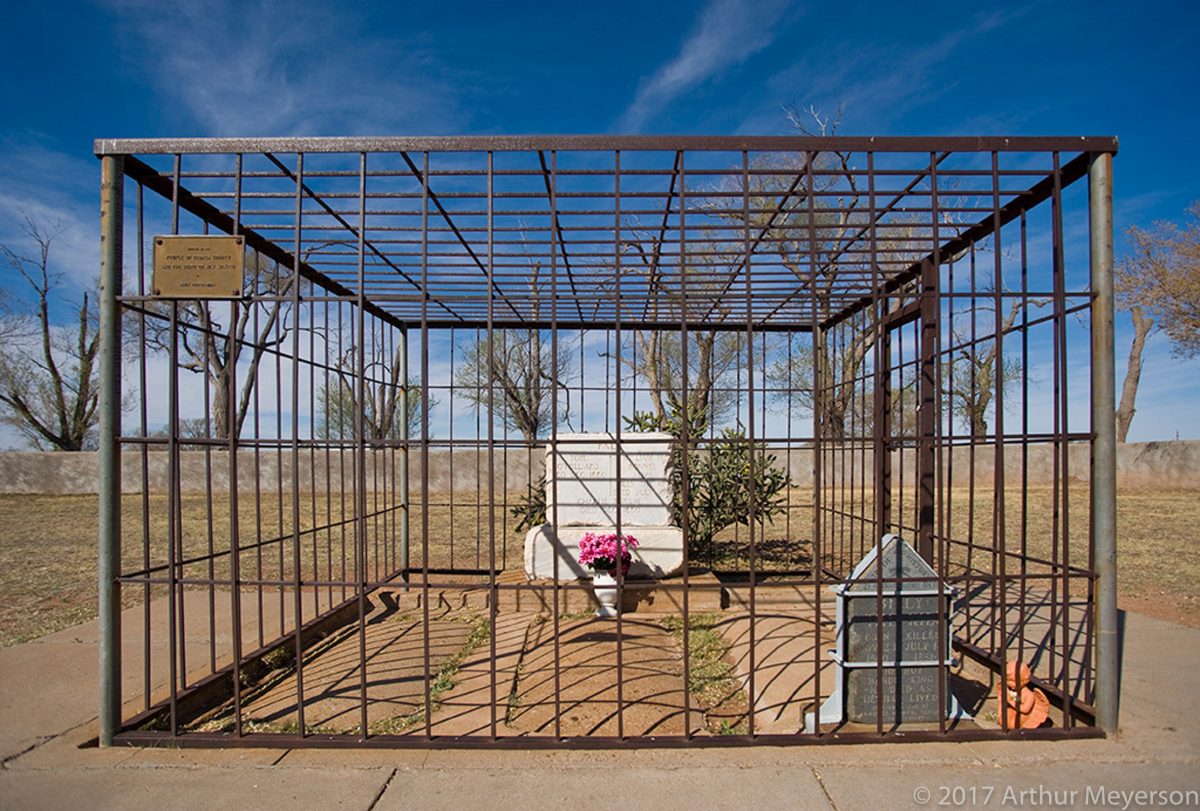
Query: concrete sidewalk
(47,708)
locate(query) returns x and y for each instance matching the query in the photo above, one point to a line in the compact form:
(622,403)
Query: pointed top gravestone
(892,560)
(894,642)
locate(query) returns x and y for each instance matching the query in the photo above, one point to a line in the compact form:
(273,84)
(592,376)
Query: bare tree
(207,347)
(388,401)
(515,373)
(15,323)
(827,203)
(1159,284)
(975,372)
(1142,327)
(48,377)
(658,355)
(516,378)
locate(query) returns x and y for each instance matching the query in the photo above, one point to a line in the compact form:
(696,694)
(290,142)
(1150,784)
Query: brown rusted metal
(878,304)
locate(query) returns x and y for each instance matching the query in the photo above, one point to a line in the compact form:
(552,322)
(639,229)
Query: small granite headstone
(891,649)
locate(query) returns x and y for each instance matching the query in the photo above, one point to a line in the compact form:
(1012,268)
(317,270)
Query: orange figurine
(1024,707)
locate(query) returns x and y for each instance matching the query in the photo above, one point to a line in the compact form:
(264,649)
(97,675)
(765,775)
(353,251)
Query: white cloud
(50,188)
(880,82)
(727,33)
(298,69)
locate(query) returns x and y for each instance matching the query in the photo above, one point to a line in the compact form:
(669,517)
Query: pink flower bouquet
(600,553)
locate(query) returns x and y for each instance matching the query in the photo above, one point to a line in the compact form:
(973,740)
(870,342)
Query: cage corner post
(1104,442)
(109,456)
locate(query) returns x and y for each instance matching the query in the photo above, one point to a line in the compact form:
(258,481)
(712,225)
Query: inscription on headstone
(581,481)
(893,633)
(898,628)
(908,629)
(908,695)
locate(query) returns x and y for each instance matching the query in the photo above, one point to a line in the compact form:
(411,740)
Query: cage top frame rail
(667,143)
(449,273)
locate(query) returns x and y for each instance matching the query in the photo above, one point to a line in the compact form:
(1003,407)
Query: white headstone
(582,480)
(581,496)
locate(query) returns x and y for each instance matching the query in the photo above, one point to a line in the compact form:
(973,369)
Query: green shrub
(720,487)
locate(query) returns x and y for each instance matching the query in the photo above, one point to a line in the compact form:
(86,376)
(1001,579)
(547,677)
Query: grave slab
(659,552)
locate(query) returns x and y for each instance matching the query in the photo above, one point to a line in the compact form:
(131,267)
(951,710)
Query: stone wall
(1139,464)
(1173,464)
(75,473)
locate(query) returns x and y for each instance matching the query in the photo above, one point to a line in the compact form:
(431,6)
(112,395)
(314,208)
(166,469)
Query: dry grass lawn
(48,546)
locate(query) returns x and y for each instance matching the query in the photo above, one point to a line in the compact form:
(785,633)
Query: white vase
(605,587)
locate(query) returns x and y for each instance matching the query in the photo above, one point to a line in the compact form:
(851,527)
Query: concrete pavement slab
(1049,785)
(626,787)
(258,788)
(1160,674)
(47,690)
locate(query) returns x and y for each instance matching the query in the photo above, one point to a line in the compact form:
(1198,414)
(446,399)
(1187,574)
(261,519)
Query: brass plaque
(198,266)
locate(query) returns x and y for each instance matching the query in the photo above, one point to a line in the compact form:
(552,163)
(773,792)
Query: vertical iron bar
(751,484)
(619,449)
(145,454)
(973,389)
(298,607)
(491,432)
(312,453)
(174,643)
(360,442)
(209,347)
(257,440)
(882,423)
(1064,564)
(175,489)
(425,445)
(112,211)
(453,490)
(405,418)
(685,421)
(817,377)
(1104,448)
(927,416)
(1023,595)
(549,473)
(999,525)
(232,352)
(930,428)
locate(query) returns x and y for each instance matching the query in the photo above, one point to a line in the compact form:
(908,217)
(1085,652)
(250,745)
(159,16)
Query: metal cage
(311,490)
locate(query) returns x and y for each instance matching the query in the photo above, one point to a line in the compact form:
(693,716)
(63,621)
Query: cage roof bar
(307,190)
(423,179)
(851,296)
(1040,192)
(666,143)
(165,186)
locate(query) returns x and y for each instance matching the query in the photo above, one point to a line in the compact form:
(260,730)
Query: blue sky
(77,71)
